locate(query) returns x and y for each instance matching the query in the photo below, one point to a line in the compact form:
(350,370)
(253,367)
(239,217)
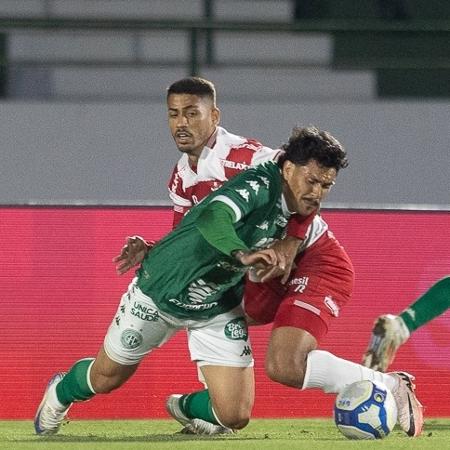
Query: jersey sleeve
(215,224)
(264,154)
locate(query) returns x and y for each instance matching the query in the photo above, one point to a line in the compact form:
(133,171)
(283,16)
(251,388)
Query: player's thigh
(222,350)
(137,328)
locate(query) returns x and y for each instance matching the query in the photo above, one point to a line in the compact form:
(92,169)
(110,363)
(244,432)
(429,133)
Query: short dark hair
(194,86)
(310,143)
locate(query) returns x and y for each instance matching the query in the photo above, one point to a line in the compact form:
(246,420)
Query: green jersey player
(205,279)
(192,280)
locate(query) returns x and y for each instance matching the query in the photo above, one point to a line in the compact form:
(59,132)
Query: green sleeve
(215,224)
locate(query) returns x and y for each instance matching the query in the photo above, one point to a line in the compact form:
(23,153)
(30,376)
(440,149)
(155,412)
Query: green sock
(430,305)
(198,406)
(75,386)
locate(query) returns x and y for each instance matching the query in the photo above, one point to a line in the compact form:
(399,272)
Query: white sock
(52,399)
(332,374)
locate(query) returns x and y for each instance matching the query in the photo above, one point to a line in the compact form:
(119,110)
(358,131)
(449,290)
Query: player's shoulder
(230,140)
(240,151)
(264,172)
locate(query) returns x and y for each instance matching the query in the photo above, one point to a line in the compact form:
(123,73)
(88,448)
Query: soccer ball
(365,410)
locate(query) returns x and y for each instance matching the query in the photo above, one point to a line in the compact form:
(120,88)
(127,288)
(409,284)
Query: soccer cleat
(173,408)
(50,413)
(409,409)
(200,426)
(388,334)
(192,426)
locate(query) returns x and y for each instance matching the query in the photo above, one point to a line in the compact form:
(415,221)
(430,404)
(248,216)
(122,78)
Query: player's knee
(286,369)
(236,419)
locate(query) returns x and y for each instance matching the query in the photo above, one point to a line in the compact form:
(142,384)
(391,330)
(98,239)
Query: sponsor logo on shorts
(236,329)
(192,307)
(144,312)
(131,339)
(331,305)
(247,351)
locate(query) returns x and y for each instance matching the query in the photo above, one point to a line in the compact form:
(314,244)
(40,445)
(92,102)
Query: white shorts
(139,327)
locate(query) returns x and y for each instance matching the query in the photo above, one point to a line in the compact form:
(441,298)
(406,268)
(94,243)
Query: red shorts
(317,289)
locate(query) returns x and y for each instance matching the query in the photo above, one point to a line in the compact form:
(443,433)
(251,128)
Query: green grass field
(260,434)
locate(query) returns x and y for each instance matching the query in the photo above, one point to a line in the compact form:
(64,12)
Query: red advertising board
(59,292)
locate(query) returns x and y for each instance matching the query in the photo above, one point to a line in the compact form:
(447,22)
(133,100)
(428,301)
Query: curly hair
(310,143)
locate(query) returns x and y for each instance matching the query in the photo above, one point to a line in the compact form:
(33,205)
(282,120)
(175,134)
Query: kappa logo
(244,194)
(247,351)
(131,339)
(254,185)
(265,181)
(236,329)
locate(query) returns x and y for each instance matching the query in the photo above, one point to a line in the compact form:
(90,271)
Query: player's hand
(266,261)
(132,254)
(288,247)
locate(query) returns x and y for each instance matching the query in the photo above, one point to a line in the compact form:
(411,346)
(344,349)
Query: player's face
(192,120)
(306,186)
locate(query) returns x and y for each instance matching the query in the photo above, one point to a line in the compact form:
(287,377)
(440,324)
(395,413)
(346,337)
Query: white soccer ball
(365,410)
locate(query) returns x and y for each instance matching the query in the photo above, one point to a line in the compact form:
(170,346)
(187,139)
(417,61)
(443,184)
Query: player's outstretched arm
(132,253)
(266,260)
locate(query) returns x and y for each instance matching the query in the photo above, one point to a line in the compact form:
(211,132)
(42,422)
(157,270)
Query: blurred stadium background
(86,153)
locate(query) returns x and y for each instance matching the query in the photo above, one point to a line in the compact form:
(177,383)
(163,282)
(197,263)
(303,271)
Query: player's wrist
(238,254)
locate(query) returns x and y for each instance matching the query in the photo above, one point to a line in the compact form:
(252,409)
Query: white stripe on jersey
(231,204)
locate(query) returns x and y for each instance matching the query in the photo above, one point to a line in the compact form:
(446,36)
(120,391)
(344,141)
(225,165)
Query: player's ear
(288,169)
(215,115)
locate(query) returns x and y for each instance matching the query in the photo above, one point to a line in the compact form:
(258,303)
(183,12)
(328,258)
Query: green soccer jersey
(189,278)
